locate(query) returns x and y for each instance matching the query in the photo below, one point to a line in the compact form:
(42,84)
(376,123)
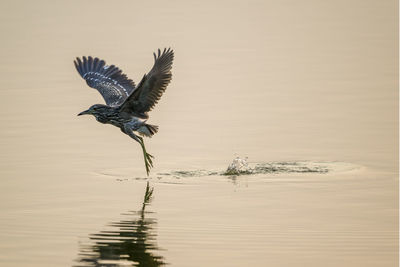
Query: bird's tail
(148,130)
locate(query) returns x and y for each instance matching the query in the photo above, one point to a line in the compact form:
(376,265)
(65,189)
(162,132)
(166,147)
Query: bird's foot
(148,161)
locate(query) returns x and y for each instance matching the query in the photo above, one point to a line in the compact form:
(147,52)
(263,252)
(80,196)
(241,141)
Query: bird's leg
(147,157)
(148,162)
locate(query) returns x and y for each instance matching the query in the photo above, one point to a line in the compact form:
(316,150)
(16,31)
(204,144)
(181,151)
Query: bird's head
(95,110)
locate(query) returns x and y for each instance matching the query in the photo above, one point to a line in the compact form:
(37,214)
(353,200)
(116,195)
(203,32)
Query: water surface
(307,90)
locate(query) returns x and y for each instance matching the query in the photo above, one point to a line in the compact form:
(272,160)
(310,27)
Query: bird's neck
(102,119)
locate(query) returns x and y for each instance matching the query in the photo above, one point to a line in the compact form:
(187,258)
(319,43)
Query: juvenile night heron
(127,104)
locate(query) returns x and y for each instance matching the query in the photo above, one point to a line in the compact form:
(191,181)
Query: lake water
(307,90)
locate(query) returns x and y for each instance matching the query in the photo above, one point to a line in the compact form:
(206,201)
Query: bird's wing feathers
(112,84)
(152,86)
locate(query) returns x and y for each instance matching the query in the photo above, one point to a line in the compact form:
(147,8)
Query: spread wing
(151,87)
(112,84)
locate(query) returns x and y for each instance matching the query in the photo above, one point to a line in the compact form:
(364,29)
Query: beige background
(271,80)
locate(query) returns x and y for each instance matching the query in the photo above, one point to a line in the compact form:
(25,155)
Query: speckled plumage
(127,104)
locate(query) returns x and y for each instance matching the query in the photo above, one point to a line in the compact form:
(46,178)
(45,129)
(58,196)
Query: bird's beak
(84,112)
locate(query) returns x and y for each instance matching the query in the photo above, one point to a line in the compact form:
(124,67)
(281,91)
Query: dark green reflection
(132,243)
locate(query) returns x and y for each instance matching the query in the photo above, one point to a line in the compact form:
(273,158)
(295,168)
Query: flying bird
(127,105)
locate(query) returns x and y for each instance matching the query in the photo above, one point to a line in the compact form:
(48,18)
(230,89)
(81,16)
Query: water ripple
(129,242)
(237,168)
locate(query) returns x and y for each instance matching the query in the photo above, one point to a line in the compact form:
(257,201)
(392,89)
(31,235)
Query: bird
(127,104)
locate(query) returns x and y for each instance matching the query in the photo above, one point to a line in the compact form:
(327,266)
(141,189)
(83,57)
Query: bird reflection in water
(131,244)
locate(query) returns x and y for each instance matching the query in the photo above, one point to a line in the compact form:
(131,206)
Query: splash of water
(239,166)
